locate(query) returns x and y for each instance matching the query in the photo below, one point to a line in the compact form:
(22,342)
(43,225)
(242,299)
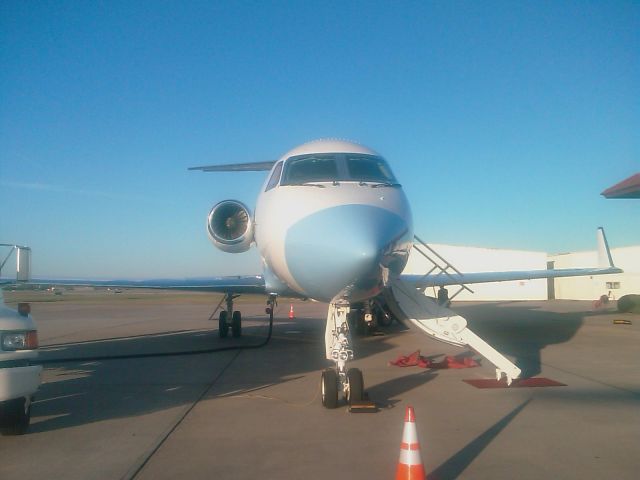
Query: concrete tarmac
(256,413)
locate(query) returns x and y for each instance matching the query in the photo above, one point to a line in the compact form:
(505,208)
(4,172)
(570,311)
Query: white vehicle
(20,377)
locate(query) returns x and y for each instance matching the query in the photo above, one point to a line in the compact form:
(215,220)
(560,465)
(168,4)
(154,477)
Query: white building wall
(475,259)
(591,288)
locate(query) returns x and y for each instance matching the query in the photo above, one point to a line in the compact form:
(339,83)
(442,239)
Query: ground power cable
(99,358)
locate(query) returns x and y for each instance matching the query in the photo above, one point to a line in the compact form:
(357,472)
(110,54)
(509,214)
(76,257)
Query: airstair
(410,304)
(440,264)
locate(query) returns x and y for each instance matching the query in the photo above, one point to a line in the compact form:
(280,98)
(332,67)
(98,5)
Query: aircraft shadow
(385,394)
(81,392)
(456,464)
(84,392)
(522,330)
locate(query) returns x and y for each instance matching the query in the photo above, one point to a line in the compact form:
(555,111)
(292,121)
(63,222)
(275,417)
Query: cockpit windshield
(367,168)
(310,168)
(336,167)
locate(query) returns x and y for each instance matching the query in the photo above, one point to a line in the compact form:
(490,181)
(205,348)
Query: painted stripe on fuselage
(343,246)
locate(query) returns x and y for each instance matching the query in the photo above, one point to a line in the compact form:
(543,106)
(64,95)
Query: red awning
(629,188)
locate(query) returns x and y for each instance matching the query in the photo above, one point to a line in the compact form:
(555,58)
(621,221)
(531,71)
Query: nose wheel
(351,384)
(329,388)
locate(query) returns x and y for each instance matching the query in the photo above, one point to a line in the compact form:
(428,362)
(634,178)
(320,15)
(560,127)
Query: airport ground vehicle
(20,376)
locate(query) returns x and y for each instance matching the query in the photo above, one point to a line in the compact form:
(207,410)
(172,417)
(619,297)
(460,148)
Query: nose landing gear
(339,349)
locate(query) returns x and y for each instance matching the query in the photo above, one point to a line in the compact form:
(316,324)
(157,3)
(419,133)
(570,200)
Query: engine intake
(230,226)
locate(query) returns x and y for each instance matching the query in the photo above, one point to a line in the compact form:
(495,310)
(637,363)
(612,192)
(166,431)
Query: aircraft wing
(238,284)
(605,266)
(422,281)
(237,167)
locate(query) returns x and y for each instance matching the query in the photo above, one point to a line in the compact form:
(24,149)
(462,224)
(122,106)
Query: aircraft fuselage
(347,221)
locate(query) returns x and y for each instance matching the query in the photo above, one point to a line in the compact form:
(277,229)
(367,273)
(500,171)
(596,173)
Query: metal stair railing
(444,270)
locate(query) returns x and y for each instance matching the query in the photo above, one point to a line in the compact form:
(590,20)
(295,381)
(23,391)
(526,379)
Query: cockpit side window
(275,177)
(310,168)
(366,168)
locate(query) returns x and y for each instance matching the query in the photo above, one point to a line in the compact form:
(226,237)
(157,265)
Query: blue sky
(503,120)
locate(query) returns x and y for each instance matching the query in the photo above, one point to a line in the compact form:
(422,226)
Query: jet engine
(230,226)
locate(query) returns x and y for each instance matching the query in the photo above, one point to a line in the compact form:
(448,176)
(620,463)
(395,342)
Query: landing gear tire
(15,416)
(236,324)
(356,385)
(223,324)
(329,388)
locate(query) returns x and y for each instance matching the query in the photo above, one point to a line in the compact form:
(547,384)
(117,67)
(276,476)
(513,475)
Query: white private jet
(333,224)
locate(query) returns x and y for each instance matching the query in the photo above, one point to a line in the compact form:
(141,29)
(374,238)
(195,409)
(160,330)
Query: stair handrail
(436,265)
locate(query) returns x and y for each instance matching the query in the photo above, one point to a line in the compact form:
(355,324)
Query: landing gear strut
(339,349)
(229,318)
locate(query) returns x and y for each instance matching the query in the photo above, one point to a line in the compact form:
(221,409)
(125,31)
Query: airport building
(587,288)
(474,259)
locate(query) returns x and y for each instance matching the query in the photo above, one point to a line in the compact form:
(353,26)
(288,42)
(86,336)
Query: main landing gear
(339,349)
(229,318)
(365,318)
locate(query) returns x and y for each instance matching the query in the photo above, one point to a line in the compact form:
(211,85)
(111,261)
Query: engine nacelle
(230,226)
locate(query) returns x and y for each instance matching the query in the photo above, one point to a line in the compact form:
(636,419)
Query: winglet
(604,254)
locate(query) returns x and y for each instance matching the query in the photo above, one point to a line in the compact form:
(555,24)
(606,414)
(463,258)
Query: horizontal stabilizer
(237,167)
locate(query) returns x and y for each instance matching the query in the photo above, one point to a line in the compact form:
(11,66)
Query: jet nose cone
(343,246)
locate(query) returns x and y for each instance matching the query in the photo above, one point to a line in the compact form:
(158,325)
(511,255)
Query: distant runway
(251,414)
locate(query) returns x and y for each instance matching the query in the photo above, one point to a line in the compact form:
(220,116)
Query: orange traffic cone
(291,316)
(410,464)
